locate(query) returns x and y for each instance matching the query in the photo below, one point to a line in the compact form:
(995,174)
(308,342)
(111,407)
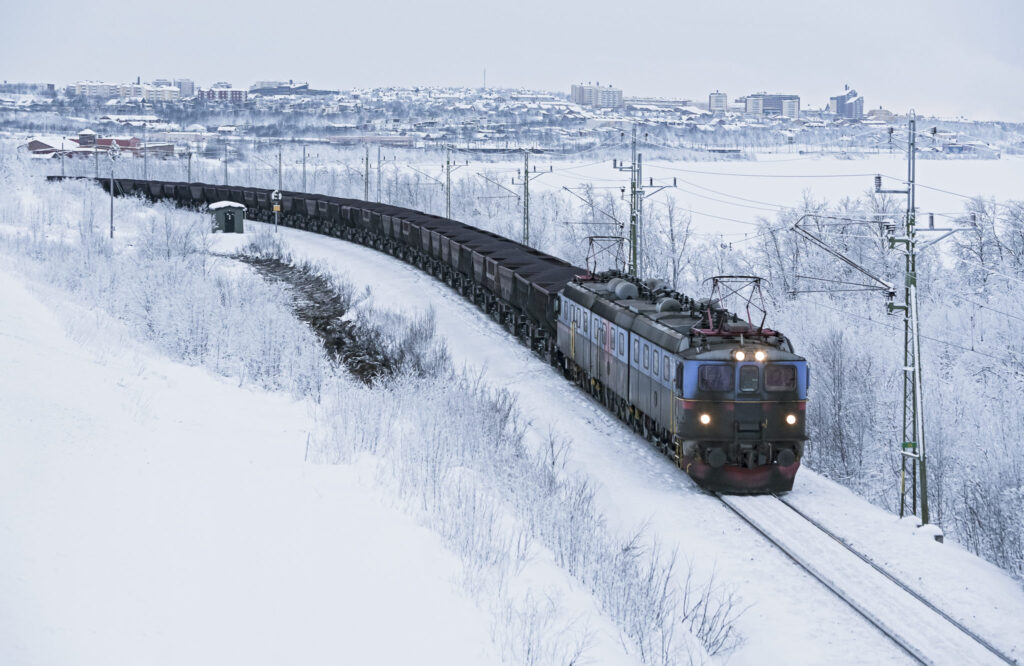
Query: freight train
(723,397)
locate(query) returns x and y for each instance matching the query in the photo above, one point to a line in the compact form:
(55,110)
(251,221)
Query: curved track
(922,630)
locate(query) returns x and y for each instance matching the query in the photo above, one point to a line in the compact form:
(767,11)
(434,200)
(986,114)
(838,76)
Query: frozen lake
(728,197)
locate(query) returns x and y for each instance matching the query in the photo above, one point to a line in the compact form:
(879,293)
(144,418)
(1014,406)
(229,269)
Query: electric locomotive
(725,397)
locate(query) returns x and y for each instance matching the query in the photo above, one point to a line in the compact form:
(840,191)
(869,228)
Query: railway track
(916,625)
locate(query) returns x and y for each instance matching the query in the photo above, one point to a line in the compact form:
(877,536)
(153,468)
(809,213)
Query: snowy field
(727,197)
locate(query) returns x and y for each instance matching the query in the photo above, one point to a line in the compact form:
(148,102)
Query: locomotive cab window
(749,376)
(780,378)
(667,371)
(647,357)
(715,378)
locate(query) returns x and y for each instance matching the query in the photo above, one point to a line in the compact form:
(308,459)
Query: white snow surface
(792,618)
(151,513)
(727,197)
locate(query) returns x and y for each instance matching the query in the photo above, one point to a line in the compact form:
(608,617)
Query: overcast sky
(944,57)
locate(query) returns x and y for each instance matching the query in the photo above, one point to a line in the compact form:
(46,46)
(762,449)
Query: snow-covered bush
(456,449)
(159,279)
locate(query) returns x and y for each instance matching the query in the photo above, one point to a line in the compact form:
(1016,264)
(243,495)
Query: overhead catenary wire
(989,307)
(990,270)
(992,355)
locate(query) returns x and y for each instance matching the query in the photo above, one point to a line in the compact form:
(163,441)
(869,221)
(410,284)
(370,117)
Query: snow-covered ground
(152,513)
(791,618)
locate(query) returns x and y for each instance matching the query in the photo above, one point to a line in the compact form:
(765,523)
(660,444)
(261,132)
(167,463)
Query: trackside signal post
(275,197)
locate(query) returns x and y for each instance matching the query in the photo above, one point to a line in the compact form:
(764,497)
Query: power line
(766,175)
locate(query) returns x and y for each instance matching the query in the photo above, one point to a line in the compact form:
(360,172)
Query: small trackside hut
(228,217)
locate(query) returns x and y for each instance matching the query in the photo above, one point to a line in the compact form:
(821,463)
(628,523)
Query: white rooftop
(225,204)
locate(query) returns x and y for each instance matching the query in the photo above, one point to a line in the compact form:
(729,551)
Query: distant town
(166,117)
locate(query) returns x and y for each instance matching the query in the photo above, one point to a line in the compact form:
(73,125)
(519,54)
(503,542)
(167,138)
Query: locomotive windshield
(748,378)
(780,378)
(715,378)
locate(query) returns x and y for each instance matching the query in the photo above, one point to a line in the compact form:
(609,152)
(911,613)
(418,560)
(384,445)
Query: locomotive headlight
(791,419)
(705,419)
(739,355)
(759,355)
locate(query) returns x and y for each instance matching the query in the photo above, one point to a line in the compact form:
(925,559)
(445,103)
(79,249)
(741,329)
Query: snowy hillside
(154,513)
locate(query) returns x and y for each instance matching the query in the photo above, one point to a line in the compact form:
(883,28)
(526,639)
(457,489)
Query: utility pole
(145,155)
(189,165)
(304,167)
(366,176)
(62,157)
(526,197)
(634,266)
(112,191)
(448,183)
(527,177)
(448,168)
(275,196)
(912,446)
(636,205)
(638,251)
(225,162)
(378,173)
(96,154)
